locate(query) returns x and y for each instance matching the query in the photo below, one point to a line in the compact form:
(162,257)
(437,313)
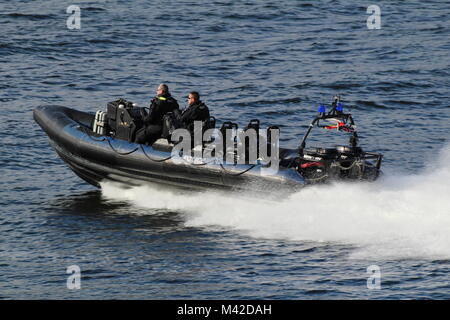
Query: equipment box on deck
(124,119)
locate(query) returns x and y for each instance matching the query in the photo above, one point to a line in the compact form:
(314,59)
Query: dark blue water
(249,59)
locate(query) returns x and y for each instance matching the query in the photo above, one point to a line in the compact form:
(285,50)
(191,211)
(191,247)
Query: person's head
(162,89)
(193,97)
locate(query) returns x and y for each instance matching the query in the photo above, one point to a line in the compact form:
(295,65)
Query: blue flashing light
(339,107)
(321,108)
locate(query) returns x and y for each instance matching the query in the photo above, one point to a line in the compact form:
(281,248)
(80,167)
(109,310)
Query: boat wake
(396,217)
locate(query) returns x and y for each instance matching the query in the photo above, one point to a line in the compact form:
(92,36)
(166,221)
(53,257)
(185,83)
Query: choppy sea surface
(249,59)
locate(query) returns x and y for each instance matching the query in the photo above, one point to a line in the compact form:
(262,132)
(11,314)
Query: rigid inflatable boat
(99,156)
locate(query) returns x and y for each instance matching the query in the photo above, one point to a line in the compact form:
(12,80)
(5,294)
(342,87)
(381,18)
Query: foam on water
(396,217)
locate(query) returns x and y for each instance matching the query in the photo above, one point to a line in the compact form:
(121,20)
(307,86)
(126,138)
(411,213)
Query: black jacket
(195,112)
(159,106)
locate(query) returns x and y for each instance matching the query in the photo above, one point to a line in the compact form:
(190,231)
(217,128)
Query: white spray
(396,217)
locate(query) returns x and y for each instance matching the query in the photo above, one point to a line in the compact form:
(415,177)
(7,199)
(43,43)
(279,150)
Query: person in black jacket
(196,111)
(153,122)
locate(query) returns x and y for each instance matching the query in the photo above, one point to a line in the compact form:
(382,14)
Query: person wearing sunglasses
(196,111)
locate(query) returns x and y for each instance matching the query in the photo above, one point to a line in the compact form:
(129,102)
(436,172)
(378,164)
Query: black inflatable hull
(99,159)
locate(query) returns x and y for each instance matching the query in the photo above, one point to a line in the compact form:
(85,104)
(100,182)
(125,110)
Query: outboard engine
(341,162)
(314,163)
